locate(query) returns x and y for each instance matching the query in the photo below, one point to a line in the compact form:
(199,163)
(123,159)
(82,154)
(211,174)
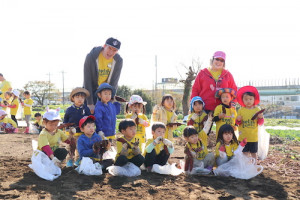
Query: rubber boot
(26,130)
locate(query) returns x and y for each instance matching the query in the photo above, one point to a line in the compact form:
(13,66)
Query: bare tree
(191,74)
(40,90)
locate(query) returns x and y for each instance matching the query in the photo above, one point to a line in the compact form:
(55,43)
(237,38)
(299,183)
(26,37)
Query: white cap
(136,99)
(16,92)
(52,115)
(2,112)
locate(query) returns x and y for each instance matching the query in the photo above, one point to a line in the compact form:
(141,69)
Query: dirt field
(279,180)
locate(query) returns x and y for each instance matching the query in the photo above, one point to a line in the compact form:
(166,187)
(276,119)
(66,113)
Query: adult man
(102,65)
(4,86)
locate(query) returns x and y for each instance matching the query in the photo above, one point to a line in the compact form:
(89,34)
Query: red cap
(84,119)
(245,89)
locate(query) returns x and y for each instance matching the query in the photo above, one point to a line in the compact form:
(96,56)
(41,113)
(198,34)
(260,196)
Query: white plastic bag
(89,168)
(167,169)
(34,144)
(129,170)
(110,154)
(33,129)
(263,142)
(240,166)
(43,166)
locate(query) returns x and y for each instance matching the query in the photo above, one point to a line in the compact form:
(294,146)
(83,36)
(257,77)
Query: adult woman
(211,79)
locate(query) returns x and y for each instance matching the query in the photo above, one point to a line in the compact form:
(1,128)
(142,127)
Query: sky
(38,37)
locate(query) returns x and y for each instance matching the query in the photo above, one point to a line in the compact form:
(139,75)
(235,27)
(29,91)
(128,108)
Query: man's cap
(113,43)
(82,120)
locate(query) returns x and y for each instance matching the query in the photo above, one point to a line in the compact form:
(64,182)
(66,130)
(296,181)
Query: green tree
(125,92)
(147,98)
(41,91)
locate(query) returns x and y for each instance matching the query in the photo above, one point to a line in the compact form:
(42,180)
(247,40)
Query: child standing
(225,113)
(226,144)
(165,113)
(248,98)
(196,150)
(198,116)
(157,149)
(27,104)
(50,137)
(14,106)
(106,111)
(137,113)
(73,114)
(6,101)
(6,124)
(86,142)
(38,121)
(128,146)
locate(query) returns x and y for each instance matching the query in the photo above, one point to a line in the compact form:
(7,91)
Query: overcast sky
(260,38)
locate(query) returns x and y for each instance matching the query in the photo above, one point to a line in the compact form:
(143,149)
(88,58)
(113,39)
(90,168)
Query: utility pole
(63,80)
(49,74)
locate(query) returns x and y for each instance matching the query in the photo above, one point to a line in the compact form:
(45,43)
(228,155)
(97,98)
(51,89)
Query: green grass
(282,122)
(289,134)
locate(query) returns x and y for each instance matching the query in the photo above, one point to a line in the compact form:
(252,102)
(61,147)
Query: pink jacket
(205,87)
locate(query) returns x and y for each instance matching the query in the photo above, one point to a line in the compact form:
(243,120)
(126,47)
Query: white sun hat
(51,114)
(136,99)
(16,92)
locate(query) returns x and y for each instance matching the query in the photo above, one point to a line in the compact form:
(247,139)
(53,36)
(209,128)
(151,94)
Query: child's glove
(208,123)
(136,150)
(143,122)
(168,143)
(102,135)
(194,154)
(222,115)
(244,142)
(72,131)
(56,161)
(124,151)
(194,116)
(158,140)
(222,148)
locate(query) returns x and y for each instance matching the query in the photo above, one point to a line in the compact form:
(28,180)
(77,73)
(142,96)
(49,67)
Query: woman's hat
(52,115)
(106,86)
(78,90)
(82,120)
(245,89)
(220,54)
(16,92)
(225,90)
(136,99)
(194,99)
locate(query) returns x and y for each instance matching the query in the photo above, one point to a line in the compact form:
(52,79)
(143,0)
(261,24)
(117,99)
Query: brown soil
(279,180)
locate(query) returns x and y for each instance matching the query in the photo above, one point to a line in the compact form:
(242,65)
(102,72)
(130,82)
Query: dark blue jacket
(74,114)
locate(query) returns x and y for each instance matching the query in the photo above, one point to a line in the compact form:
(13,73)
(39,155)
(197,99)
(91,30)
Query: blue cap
(194,99)
(106,86)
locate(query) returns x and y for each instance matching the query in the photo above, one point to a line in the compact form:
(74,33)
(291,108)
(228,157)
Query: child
(73,114)
(165,113)
(225,113)
(6,124)
(50,137)
(14,106)
(27,104)
(196,149)
(106,111)
(6,101)
(137,113)
(248,98)
(157,149)
(128,146)
(226,144)
(38,121)
(198,116)
(86,143)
